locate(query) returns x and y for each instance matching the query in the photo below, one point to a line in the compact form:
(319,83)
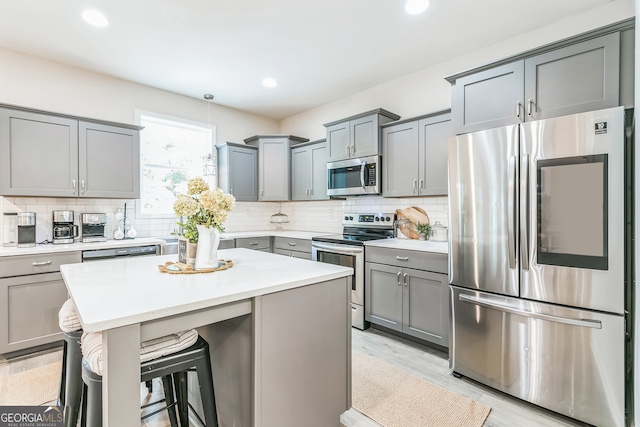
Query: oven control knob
(350,218)
(377,218)
(388,219)
(346,218)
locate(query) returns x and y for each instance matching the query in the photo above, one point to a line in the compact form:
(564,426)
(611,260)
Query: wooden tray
(180,268)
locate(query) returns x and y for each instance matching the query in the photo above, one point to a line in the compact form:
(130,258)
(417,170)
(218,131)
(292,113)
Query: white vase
(207,252)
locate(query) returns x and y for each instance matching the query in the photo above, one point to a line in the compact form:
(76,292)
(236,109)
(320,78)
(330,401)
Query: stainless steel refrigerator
(537,262)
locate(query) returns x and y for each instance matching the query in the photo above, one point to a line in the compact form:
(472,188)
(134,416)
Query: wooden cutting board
(414,215)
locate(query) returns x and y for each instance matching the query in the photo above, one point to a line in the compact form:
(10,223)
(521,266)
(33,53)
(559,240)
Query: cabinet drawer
(21,265)
(295,254)
(299,245)
(429,261)
(263,242)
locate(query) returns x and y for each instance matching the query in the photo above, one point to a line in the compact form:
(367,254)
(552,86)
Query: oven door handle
(338,249)
(362,169)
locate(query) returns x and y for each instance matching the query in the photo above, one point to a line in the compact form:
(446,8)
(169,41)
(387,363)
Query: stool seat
(175,364)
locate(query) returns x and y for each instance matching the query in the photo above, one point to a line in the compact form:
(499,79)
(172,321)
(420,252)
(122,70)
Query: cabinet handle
(353,150)
(82,186)
(399,283)
(261,192)
(529,107)
(402,258)
(421,186)
(231,191)
(518,105)
(253,243)
(291,244)
(348,149)
(404,277)
(36,264)
(73,186)
(415,185)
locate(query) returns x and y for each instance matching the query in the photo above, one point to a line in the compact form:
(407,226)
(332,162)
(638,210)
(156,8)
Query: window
(172,151)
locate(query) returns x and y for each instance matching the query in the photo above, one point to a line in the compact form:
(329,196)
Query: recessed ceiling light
(269,82)
(414,7)
(95,18)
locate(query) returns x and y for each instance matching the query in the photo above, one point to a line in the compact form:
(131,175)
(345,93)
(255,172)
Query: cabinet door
(383,295)
(488,99)
(301,173)
(577,78)
(319,157)
(38,155)
(338,141)
(400,163)
(29,307)
(243,174)
(434,142)
(426,306)
(365,136)
(274,169)
(109,161)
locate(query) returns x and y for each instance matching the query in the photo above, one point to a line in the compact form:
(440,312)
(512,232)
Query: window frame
(187,123)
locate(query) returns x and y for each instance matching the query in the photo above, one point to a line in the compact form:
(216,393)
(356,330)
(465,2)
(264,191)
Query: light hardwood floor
(420,360)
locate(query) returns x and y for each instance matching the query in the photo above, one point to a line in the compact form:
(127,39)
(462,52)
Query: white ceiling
(318,51)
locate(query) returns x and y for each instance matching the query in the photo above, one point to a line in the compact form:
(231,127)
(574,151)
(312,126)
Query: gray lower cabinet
(262,243)
(60,156)
(31,293)
(357,136)
(238,171)
(408,300)
(297,248)
(579,77)
(274,163)
(415,156)
(309,171)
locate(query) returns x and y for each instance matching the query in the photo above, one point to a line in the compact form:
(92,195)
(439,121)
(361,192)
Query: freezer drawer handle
(402,258)
(36,264)
(587,323)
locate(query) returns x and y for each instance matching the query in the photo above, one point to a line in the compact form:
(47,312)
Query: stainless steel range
(347,249)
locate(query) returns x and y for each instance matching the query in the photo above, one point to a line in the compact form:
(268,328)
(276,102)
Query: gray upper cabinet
(109,161)
(577,77)
(274,160)
(309,171)
(238,171)
(415,156)
(357,136)
(52,155)
(38,154)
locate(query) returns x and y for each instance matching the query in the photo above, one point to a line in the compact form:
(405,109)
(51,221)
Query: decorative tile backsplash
(323,216)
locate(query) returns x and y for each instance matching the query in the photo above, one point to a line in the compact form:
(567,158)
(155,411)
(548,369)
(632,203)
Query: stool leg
(169,399)
(149,384)
(205,379)
(74,384)
(182,397)
(63,375)
(93,397)
(83,418)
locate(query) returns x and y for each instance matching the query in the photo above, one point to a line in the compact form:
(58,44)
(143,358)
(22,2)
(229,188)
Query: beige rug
(395,398)
(35,386)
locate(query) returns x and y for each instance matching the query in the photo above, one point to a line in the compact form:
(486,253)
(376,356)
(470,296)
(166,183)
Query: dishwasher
(131,251)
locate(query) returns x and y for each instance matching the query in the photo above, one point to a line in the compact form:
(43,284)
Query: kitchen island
(279,330)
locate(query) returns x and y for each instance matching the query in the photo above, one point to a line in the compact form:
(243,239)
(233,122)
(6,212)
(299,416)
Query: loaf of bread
(413,215)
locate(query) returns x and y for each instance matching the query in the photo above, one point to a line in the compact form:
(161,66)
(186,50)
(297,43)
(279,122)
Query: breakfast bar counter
(279,329)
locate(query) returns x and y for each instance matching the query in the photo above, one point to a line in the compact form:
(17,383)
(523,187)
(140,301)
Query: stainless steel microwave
(354,177)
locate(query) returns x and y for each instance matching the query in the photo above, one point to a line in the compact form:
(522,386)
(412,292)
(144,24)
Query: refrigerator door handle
(524,212)
(511,212)
(586,323)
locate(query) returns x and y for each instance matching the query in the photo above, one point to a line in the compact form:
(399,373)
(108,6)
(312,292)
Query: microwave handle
(362,170)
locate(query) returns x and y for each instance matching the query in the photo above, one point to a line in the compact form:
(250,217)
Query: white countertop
(414,245)
(114,293)
(50,247)
(292,234)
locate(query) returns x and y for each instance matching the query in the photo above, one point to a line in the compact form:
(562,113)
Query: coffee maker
(26,229)
(63,229)
(93,227)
